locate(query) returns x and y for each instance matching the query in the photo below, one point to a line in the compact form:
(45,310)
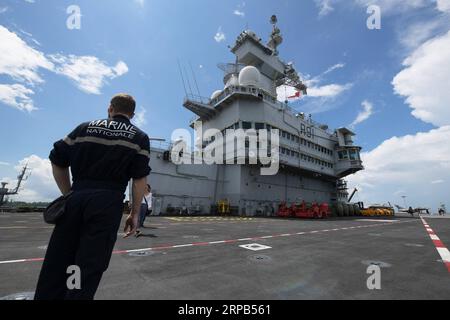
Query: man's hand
(137,190)
(131,224)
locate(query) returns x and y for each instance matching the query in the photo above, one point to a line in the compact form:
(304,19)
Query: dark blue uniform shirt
(104,153)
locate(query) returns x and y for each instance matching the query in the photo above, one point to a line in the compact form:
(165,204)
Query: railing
(356,163)
(163,145)
(257,92)
(197,98)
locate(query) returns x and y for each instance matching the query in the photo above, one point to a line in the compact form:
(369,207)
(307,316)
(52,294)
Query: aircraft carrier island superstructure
(313,160)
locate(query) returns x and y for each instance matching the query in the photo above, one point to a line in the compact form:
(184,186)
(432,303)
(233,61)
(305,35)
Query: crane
(352,195)
(7,192)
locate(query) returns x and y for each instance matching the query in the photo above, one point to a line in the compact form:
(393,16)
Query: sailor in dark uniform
(103,155)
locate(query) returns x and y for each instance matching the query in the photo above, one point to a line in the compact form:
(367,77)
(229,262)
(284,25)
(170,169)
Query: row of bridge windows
(304,157)
(246,125)
(350,154)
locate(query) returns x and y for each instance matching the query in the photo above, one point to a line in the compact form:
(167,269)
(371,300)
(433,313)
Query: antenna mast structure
(8,192)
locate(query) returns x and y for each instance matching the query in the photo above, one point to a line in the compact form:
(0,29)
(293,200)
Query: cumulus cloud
(139,117)
(19,60)
(40,185)
(417,166)
(219,36)
(321,97)
(443,5)
(88,72)
(17,96)
(315,90)
(364,114)
(23,63)
(415,34)
(424,81)
(410,164)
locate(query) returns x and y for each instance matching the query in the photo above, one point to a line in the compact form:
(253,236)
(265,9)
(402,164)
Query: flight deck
(210,257)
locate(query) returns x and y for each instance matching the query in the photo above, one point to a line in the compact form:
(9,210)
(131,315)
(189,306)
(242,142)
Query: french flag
(296,95)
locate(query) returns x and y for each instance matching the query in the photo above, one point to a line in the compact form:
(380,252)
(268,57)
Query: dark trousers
(85,237)
(143,214)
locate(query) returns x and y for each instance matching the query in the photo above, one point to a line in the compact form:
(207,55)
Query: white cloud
(332,68)
(20,61)
(324,6)
(219,36)
(139,118)
(120,69)
(88,72)
(407,163)
(425,81)
(413,35)
(388,7)
(330,90)
(40,185)
(364,114)
(443,5)
(2,163)
(17,96)
(417,166)
(3,9)
(140,2)
(320,97)
(239,13)
(394,6)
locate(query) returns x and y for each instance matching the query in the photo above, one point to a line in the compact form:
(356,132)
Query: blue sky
(134,46)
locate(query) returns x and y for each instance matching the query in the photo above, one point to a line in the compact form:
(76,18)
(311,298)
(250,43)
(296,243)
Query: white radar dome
(233,81)
(249,76)
(216,94)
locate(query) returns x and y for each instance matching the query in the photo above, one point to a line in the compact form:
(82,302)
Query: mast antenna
(187,79)
(195,79)
(182,77)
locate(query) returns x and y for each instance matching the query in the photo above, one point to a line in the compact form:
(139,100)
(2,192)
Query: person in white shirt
(146,208)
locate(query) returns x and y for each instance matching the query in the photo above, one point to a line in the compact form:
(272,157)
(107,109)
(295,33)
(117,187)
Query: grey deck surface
(328,264)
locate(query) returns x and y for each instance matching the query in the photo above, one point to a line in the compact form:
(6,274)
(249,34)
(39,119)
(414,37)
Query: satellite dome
(216,94)
(251,33)
(249,76)
(232,81)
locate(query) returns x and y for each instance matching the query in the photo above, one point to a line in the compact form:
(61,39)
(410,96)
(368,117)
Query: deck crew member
(146,208)
(103,155)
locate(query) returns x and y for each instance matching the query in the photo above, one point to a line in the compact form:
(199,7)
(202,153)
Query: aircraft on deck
(412,210)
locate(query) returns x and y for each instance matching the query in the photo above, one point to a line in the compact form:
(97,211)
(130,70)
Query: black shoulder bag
(56,209)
